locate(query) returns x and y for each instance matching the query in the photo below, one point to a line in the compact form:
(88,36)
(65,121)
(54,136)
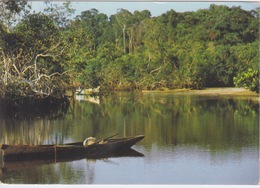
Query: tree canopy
(48,51)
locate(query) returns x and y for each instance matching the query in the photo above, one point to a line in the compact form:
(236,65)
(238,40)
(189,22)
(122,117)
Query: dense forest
(42,53)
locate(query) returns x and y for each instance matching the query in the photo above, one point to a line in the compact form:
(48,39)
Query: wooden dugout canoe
(97,150)
(12,166)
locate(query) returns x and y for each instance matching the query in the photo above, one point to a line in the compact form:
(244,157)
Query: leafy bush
(248,79)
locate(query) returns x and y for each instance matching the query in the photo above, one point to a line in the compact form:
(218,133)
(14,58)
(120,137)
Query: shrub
(248,79)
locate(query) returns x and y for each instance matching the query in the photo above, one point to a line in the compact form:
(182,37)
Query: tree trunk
(124,38)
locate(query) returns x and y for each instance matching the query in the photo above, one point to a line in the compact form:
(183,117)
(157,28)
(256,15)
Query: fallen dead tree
(26,78)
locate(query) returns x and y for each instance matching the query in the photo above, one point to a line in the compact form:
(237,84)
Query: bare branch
(157,69)
(15,68)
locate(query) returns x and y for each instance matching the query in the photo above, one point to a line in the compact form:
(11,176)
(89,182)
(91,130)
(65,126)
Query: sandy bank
(210,91)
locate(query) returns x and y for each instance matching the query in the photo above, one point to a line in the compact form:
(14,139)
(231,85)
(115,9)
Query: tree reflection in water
(217,126)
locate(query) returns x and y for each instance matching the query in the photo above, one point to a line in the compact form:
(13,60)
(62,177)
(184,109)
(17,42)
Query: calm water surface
(189,140)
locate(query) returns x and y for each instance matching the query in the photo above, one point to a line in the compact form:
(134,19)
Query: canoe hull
(28,152)
(12,166)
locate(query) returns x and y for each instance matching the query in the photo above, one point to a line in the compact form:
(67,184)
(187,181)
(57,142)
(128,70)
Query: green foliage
(247,75)
(127,51)
(11,11)
(31,52)
(248,79)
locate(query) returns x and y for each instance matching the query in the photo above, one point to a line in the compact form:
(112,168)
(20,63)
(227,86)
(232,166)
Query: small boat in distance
(96,149)
(89,91)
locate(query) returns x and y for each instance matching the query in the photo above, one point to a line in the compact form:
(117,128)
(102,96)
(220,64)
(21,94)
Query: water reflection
(89,98)
(49,107)
(29,168)
(217,123)
(9,166)
(223,130)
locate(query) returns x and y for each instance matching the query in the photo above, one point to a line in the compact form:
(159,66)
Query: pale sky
(156,8)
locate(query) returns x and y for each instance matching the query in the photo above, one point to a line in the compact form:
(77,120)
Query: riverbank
(230,91)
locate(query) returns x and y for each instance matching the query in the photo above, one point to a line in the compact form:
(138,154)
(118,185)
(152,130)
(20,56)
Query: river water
(189,139)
